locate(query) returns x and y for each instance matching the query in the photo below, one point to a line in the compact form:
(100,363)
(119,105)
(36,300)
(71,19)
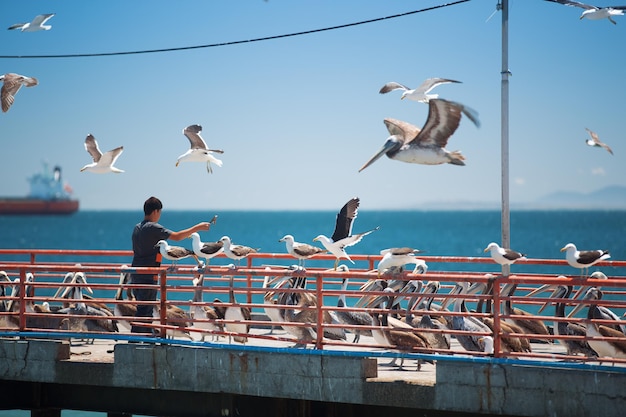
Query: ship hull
(37,206)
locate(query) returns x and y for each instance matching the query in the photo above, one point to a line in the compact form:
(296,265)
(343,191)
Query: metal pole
(506,238)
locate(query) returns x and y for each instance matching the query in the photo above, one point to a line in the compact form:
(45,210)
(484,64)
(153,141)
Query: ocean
(539,234)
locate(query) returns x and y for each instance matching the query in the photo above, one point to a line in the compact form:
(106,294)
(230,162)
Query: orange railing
(25,315)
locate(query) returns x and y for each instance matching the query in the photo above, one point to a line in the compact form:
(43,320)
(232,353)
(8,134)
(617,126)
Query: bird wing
(12,83)
(211,248)
(353,239)
(109,158)
(596,140)
(193,134)
(392,86)
(179,252)
(588,256)
(343,226)
(17,26)
(512,255)
(431,83)
(443,120)
(91,145)
(41,19)
(574,3)
(402,130)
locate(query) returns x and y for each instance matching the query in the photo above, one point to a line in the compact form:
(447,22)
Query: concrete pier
(167,380)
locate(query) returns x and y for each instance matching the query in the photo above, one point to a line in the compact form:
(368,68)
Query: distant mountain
(611,197)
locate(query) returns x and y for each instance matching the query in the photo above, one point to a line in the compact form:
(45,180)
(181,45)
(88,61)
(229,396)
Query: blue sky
(298,116)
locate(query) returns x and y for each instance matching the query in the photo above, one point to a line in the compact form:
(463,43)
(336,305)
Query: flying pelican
(504,256)
(608,348)
(564,328)
(397,258)
(174,253)
(342,236)
(417,94)
(349,317)
(203,315)
(199,152)
(594,12)
(408,143)
(300,251)
(11,85)
(236,252)
(595,141)
(585,258)
(206,250)
(38,23)
(102,162)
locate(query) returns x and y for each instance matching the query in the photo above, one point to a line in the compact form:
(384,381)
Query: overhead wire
(213,45)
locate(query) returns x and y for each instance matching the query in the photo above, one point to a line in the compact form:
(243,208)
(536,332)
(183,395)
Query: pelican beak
(580,306)
(389,145)
(543,288)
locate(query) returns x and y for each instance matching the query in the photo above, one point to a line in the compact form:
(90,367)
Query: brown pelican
(176,317)
(471,342)
(205,250)
(237,315)
(300,251)
(352,318)
(102,162)
(206,314)
(437,340)
(595,142)
(12,84)
(408,143)
(527,325)
(199,151)
(563,328)
(6,320)
(594,293)
(585,258)
(236,252)
(417,94)
(604,348)
(504,256)
(342,236)
(122,309)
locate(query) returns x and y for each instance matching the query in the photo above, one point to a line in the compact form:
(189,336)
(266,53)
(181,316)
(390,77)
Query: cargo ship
(49,194)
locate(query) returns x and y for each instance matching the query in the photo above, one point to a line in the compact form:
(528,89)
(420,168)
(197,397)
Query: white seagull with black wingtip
(199,151)
(585,258)
(417,94)
(408,143)
(38,23)
(504,256)
(102,162)
(342,236)
(594,12)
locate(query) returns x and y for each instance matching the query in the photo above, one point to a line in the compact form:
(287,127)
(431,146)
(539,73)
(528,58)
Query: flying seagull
(342,236)
(11,85)
(298,250)
(198,152)
(409,144)
(417,94)
(102,162)
(504,256)
(594,12)
(595,141)
(37,24)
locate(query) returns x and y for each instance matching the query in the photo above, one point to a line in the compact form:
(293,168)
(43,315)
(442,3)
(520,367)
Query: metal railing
(30,308)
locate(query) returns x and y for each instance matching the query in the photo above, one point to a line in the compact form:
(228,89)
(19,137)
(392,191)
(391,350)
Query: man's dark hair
(152,204)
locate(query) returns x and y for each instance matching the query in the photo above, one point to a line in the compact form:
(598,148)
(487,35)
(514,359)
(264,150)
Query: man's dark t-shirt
(145,236)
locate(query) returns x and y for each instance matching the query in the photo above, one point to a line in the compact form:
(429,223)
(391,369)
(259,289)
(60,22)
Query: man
(145,237)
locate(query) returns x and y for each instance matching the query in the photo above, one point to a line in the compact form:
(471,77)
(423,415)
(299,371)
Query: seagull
(174,253)
(298,250)
(417,94)
(594,12)
(206,250)
(37,24)
(342,236)
(408,143)
(236,252)
(595,141)
(397,258)
(11,85)
(102,162)
(583,259)
(199,152)
(504,256)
